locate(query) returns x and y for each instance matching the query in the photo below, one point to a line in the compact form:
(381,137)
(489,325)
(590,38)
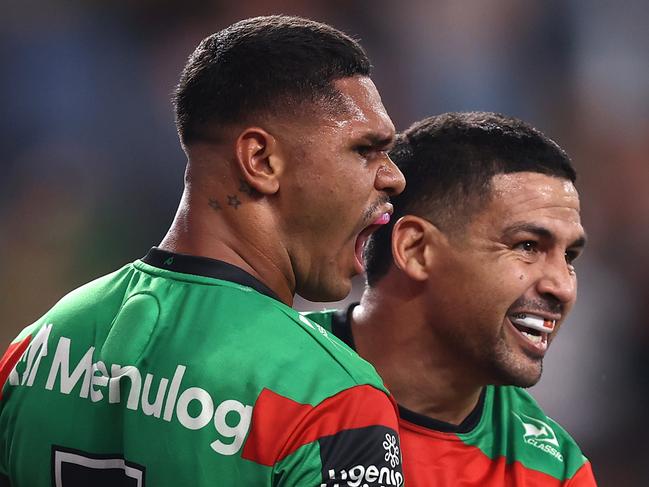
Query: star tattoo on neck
(215,204)
(234,201)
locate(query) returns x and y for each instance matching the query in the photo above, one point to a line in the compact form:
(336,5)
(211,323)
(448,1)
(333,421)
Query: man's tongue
(362,238)
(360,245)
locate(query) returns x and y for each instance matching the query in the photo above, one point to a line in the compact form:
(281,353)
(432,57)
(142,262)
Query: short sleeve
(349,438)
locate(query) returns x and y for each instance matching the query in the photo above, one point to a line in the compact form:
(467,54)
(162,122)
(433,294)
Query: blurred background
(92,171)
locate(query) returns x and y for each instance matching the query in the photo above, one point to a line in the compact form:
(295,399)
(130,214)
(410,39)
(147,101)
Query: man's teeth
(536,339)
(534,322)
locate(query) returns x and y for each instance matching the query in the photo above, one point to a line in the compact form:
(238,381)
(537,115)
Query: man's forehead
(363,111)
(529,195)
(533,185)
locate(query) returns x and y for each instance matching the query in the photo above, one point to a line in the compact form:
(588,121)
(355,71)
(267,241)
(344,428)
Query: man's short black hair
(262,65)
(449,161)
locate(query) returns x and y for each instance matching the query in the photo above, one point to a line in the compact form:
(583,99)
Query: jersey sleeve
(7,363)
(583,478)
(10,359)
(349,439)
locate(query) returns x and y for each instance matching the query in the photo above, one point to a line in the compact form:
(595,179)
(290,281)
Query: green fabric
(513,426)
(187,348)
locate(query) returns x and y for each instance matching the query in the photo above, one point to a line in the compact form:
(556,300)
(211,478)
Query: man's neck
(196,231)
(417,370)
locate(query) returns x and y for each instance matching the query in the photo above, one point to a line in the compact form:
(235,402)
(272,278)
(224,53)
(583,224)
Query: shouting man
(465,292)
(189,367)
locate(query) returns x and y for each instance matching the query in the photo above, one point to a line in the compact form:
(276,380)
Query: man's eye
(571,255)
(364,150)
(527,246)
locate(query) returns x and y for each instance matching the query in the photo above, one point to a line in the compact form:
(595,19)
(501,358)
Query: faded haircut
(449,161)
(263,65)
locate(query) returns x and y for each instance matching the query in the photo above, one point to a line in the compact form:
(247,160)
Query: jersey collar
(206,267)
(341,327)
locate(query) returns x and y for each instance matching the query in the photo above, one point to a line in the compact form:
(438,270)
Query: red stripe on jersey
(10,358)
(444,460)
(583,478)
(280,425)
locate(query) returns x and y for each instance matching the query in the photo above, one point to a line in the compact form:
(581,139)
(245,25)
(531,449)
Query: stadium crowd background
(92,171)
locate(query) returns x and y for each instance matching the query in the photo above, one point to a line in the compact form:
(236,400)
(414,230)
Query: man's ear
(413,246)
(258,160)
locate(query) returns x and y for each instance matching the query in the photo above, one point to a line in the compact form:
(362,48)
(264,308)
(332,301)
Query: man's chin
(524,377)
(323,292)
(525,382)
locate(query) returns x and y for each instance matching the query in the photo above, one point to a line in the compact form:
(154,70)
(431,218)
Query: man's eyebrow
(579,243)
(378,139)
(541,232)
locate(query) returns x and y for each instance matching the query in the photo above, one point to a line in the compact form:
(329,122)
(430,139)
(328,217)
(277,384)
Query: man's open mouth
(533,327)
(362,238)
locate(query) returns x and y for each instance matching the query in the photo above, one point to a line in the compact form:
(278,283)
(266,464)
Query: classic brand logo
(540,435)
(324,333)
(537,429)
(97,381)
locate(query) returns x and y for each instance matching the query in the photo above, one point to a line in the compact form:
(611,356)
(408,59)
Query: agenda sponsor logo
(97,381)
(364,476)
(377,465)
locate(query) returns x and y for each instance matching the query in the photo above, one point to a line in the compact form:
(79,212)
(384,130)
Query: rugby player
(188,366)
(465,292)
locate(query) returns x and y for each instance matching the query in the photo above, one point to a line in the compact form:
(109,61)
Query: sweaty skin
(450,333)
(330,177)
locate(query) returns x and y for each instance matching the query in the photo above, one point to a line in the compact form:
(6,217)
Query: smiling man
(189,367)
(465,293)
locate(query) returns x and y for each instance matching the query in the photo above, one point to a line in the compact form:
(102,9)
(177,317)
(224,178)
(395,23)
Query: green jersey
(507,440)
(178,370)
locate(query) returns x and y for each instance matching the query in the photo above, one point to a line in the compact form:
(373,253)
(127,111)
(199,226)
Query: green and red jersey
(506,441)
(178,370)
